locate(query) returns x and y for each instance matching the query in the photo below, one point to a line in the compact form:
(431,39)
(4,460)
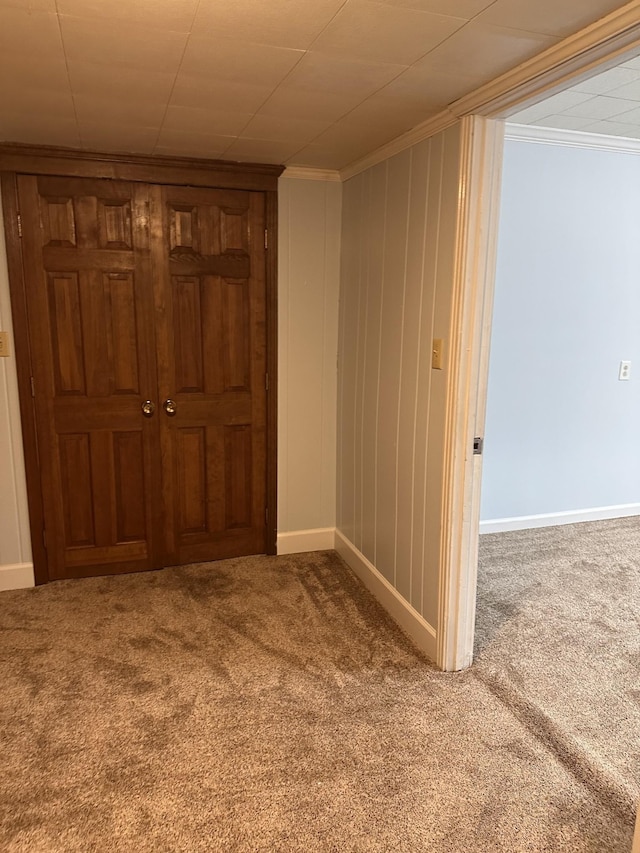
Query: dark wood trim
(9,190)
(271,220)
(42,160)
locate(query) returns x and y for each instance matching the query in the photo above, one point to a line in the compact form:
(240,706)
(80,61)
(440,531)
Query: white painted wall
(309,275)
(309,281)
(398,248)
(16,568)
(562,431)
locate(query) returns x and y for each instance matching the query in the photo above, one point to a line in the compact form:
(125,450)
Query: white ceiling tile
(600,108)
(180,144)
(318,72)
(34,71)
(609,80)
(36,102)
(122,138)
(632,63)
(229,59)
(550,106)
(547,16)
(455,8)
(563,122)
(176,15)
(485,51)
(30,33)
(323,106)
(101,80)
(325,157)
(613,128)
(36,5)
(630,91)
(37,129)
(427,88)
(287,23)
(202,90)
(631,116)
(376,32)
(261,150)
(213,122)
(119,111)
(275,129)
(130,44)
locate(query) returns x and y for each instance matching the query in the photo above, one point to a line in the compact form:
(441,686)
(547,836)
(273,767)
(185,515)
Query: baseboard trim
(552,519)
(299,541)
(16,576)
(421,632)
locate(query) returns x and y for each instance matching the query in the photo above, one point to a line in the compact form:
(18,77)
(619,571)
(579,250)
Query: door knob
(170,407)
(148,408)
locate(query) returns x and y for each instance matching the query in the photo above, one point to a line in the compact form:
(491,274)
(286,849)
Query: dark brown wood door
(141,293)
(211,328)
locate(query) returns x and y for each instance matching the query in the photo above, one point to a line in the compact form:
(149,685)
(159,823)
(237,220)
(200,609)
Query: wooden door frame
(602,45)
(182,171)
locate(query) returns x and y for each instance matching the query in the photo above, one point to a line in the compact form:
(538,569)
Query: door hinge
(44,537)
(33,386)
(266,381)
(266,239)
(266,516)
(478,446)
(19,225)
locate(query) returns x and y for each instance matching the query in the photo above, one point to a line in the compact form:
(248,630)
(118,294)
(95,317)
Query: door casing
(36,160)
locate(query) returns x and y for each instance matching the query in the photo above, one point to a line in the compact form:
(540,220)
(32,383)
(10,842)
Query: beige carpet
(267,704)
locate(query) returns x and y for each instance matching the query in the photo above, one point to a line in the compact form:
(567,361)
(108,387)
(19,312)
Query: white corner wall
(16,567)
(309,281)
(562,430)
(398,249)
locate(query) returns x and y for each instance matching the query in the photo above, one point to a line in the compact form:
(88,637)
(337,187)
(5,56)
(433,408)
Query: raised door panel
(90,297)
(212,364)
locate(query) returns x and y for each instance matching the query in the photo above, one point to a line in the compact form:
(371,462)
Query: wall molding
(308,173)
(555,519)
(299,541)
(16,576)
(571,138)
(412,623)
(601,45)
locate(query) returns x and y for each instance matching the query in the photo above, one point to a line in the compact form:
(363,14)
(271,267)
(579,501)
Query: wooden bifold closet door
(146,308)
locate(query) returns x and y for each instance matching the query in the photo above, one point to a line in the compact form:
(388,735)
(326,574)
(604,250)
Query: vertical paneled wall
(398,247)
(15,545)
(309,280)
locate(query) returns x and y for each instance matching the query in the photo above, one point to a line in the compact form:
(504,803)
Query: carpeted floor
(268,704)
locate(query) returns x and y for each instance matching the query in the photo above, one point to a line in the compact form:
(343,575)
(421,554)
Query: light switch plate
(4,344)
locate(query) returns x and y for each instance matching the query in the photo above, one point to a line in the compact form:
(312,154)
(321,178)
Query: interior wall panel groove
(398,245)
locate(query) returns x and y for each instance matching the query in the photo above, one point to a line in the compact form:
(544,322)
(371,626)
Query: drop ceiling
(606,104)
(316,83)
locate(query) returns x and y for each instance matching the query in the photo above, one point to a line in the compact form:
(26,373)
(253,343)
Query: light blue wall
(562,432)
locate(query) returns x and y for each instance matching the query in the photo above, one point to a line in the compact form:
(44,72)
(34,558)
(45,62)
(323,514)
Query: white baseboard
(16,576)
(421,632)
(298,541)
(551,519)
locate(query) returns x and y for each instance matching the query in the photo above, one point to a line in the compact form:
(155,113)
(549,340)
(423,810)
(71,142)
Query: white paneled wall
(309,280)
(398,249)
(16,569)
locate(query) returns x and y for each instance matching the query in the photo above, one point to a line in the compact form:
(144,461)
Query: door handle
(148,408)
(170,407)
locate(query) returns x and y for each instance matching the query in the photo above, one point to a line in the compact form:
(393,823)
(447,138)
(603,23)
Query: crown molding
(605,43)
(307,173)
(571,138)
